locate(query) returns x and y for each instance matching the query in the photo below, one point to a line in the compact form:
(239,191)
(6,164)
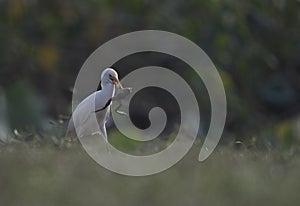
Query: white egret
(98,102)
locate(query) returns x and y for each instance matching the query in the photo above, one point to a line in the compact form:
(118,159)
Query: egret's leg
(102,134)
(103,130)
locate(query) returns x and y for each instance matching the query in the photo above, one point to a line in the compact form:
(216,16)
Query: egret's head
(110,76)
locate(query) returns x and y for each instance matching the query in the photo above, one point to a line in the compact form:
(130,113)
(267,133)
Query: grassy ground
(45,175)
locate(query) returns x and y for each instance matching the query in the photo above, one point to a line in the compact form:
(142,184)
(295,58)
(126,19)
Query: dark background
(254,44)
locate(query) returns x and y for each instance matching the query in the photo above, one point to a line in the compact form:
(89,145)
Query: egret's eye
(112,78)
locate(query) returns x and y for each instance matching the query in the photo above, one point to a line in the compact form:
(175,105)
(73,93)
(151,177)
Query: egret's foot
(96,133)
(121,113)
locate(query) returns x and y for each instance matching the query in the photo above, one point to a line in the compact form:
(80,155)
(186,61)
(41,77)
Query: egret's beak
(116,82)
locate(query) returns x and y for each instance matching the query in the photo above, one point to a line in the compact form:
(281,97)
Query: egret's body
(97,103)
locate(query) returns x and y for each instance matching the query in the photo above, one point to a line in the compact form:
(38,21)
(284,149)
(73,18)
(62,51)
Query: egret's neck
(108,90)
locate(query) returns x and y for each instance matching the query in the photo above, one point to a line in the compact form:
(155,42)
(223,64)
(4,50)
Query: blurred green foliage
(255,45)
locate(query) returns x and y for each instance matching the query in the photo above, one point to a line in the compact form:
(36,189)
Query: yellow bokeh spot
(285,131)
(15,9)
(48,57)
(227,80)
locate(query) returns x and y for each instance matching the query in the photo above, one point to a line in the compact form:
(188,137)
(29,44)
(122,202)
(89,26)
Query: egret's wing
(95,102)
(88,106)
(82,114)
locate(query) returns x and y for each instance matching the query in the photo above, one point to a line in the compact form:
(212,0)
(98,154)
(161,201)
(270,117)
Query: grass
(45,175)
